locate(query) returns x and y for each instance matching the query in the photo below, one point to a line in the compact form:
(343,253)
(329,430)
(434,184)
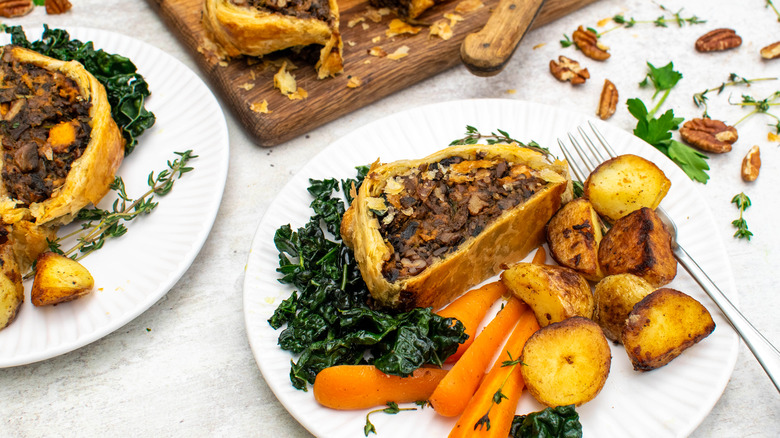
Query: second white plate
(668,402)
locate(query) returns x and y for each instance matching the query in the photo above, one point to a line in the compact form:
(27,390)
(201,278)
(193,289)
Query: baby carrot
(483,417)
(470,309)
(456,388)
(364,386)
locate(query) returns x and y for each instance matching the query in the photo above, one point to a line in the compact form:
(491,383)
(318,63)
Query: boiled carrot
(364,386)
(454,391)
(540,257)
(482,416)
(470,309)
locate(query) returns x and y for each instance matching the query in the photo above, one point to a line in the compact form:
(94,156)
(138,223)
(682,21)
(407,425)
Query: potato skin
(615,297)
(663,325)
(11,287)
(573,236)
(639,244)
(59,279)
(554,293)
(624,184)
(566,362)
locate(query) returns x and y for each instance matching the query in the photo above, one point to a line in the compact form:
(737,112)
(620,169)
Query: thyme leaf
(742,202)
(700,99)
(662,21)
(769,4)
(391,409)
(759,107)
(502,137)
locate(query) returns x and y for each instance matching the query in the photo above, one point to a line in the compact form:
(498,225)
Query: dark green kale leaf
(126,89)
(329,318)
(558,422)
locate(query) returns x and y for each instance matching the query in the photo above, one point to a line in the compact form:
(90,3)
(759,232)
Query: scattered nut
(609,100)
(709,135)
(568,70)
(771,51)
(54,7)
(717,40)
(751,164)
(587,41)
(15,8)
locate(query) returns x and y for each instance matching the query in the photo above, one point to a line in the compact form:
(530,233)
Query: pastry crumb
(399,53)
(354,82)
(398,27)
(260,107)
(466,6)
(246,86)
(377,51)
(355,21)
(771,136)
(440,28)
(540,45)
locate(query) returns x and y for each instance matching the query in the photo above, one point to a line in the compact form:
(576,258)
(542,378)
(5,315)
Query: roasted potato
(639,244)
(662,326)
(11,287)
(624,184)
(59,279)
(615,296)
(573,236)
(554,293)
(566,362)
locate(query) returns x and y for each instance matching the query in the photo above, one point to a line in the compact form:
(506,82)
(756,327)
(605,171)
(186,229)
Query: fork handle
(762,349)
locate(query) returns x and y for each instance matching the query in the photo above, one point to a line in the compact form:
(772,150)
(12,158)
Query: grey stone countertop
(184,367)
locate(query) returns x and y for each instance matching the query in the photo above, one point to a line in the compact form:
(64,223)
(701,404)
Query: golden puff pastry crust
(67,154)
(257,28)
(424,231)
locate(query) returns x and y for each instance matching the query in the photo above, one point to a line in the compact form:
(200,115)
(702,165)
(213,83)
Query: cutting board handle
(486,53)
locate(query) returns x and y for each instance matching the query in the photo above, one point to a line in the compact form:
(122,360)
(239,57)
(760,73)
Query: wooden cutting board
(243,82)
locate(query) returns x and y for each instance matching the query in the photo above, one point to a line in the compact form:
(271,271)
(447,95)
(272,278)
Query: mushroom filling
(317,9)
(44,128)
(427,212)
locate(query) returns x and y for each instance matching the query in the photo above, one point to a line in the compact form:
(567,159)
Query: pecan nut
(717,40)
(54,7)
(587,41)
(709,135)
(15,8)
(771,51)
(568,70)
(751,164)
(609,100)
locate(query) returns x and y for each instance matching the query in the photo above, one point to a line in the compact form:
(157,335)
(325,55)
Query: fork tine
(572,164)
(602,140)
(586,159)
(593,149)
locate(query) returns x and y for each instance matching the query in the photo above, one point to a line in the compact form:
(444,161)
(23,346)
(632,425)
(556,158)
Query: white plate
(134,271)
(670,401)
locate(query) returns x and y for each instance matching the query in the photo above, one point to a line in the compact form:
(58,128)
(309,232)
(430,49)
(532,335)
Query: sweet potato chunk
(639,244)
(566,362)
(59,279)
(662,326)
(554,293)
(615,297)
(573,235)
(624,184)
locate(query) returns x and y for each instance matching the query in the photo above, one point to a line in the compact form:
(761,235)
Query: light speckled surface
(184,368)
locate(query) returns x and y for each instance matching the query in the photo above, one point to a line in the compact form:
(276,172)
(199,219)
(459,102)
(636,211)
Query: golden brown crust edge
(91,175)
(507,240)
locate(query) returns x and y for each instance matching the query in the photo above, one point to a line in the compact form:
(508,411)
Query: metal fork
(762,349)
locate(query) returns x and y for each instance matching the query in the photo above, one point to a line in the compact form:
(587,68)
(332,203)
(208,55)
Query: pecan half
(771,51)
(15,8)
(609,100)
(587,41)
(751,164)
(568,70)
(709,135)
(54,7)
(717,40)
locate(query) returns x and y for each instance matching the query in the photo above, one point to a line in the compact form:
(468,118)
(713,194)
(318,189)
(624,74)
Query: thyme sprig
(700,99)
(742,202)
(760,107)
(669,17)
(499,395)
(99,225)
(473,136)
(391,409)
(769,4)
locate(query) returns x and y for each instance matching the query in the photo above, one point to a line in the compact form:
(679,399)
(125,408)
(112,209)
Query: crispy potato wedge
(662,326)
(573,235)
(615,297)
(59,279)
(554,293)
(639,244)
(624,184)
(566,362)
(11,287)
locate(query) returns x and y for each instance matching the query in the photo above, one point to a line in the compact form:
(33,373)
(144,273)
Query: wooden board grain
(244,81)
